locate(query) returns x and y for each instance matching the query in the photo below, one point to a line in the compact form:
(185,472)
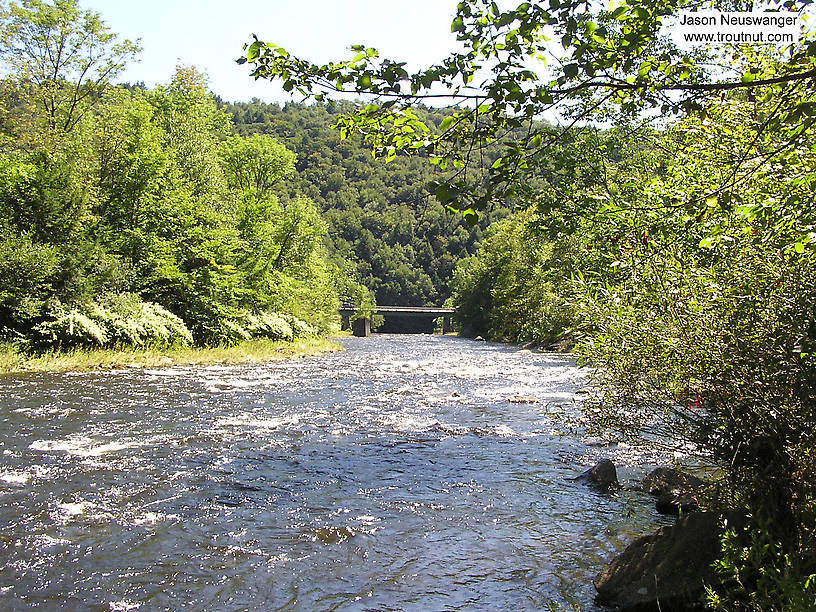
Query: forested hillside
(380,216)
(132,217)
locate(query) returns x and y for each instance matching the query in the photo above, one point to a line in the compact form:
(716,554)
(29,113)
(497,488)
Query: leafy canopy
(66,54)
(566,56)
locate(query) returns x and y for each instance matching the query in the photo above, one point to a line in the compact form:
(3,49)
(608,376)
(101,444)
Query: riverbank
(252,351)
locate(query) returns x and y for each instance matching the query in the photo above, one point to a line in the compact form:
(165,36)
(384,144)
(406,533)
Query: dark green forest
(134,216)
(382,217)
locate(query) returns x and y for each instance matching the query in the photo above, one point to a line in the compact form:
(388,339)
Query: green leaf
(446,194)
(254,51)
(571,70)
(619,13)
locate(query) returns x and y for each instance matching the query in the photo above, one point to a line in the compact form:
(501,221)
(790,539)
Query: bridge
(399,319)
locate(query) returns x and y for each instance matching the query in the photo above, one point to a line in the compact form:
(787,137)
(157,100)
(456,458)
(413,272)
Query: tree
(66,56)
(612,61)
(194,127)
(256,164)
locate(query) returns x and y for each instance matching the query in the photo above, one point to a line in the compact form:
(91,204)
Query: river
(394,475)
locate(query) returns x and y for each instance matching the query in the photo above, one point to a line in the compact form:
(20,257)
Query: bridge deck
(408,310)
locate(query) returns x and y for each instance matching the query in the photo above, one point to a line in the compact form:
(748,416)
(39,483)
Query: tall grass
(250,351)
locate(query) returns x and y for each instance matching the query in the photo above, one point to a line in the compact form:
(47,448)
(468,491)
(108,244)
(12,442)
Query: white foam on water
(504,430)
(149,518)
(367,519)
(81,447)
(16,478)
(123,605)
(111,447)
(248,421)
(225,384)
(69,446)
(46,541)
(410,423)
(278,559)
(82,510)
(71,509)
(171,371)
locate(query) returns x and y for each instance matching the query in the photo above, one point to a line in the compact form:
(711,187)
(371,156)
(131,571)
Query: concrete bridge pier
(361,327)
(447,325)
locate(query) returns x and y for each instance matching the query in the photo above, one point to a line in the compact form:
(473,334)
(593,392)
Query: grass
(251,351)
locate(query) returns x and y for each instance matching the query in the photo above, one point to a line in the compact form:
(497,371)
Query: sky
(211,34)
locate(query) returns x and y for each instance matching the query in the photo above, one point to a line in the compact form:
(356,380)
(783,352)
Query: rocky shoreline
(668,570)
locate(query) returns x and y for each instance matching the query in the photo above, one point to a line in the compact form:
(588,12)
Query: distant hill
(381,216)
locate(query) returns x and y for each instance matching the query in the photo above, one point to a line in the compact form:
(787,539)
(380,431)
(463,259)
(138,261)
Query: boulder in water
(665,478)
(667,570)
(676,491)
(603,476)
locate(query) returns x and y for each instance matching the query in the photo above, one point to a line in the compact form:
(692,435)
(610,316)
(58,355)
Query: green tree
(255,164)
(66,56)
(612,61)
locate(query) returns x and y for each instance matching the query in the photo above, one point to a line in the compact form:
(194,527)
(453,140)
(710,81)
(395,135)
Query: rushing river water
(394,475)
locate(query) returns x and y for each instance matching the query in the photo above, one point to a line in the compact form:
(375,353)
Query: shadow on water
(393,475)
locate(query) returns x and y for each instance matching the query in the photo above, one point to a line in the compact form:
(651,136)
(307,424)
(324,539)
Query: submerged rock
(667,570)
(522,399)
(603,476)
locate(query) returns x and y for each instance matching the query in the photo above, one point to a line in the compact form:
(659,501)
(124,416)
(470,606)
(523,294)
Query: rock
(479,339)
(676,491)
(602,476)
(665,478)
(522,399)
(667,570)
(676,501)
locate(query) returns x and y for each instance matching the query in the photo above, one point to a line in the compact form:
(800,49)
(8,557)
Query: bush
(270,325)
(233,332)
(71,328)
(300,329)
(133,322)
(117,320)
(759,576)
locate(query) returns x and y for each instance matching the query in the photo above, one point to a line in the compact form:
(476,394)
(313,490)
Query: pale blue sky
(210,34)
